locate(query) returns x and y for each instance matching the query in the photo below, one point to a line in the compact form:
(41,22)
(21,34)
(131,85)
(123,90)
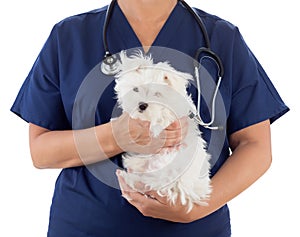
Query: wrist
(106,140)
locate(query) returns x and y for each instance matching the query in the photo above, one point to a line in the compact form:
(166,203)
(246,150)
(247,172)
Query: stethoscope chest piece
(110,65)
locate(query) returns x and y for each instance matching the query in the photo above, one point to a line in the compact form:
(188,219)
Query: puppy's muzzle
(142,106)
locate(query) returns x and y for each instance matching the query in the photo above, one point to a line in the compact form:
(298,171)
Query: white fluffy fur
(180,173)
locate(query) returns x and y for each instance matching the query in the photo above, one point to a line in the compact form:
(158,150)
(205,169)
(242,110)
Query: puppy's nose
(143,106)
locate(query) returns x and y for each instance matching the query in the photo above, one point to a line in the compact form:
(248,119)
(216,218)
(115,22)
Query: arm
(62,149)
(250,159)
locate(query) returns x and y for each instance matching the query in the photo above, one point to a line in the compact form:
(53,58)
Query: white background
(271,29)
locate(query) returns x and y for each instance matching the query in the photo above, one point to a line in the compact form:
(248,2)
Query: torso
(87,200)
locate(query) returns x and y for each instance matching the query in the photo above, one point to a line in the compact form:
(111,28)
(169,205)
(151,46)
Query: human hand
(134,135)
(151,204)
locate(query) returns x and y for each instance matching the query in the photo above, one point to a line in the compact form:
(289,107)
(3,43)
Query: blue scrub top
(82,204)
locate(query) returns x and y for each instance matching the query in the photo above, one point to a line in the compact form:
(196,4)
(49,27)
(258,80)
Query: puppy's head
(146,90)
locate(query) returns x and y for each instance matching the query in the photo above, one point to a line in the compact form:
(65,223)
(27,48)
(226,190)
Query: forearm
(248,162)
(251,157)
(239,172)
(62,149)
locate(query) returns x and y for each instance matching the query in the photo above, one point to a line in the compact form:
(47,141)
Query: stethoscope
(110,64)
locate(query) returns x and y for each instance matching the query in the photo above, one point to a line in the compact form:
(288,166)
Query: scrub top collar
(128,38)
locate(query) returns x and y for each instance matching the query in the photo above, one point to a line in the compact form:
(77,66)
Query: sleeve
(254,97)
(39,99)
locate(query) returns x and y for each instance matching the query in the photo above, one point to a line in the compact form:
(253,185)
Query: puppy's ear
(124,59)
(177,80)
(134,61)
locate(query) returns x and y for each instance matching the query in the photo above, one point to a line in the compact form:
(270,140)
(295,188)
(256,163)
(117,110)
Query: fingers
(178,124)
(175,133)
(139,131)
(125,189)
(133,135)
(154,195)
(152,204)
(137,199)
(128,193)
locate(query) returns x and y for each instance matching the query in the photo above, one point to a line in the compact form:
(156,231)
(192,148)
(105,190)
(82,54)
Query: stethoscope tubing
(110,63)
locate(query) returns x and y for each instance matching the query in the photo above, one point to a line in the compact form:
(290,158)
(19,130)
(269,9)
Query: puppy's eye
(157,94)
(135,89)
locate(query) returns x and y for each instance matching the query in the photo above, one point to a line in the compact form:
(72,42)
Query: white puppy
(157,93)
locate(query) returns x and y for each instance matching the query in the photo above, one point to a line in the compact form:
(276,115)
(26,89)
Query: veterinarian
(85,204)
